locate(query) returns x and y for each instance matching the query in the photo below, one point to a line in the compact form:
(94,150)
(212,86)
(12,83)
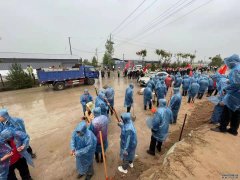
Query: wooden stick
(113,110)
(103,155)
(180,137)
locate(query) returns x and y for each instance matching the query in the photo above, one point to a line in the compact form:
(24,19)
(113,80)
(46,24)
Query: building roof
(18,55)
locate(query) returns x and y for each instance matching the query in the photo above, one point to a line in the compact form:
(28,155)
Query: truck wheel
(59,86)
(90,81)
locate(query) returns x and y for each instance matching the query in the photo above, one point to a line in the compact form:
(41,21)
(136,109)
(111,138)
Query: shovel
(133,114)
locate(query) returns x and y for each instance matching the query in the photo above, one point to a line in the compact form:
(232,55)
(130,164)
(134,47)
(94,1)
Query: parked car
(144,80)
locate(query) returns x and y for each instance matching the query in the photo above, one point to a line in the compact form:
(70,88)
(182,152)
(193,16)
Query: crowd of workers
(90,137)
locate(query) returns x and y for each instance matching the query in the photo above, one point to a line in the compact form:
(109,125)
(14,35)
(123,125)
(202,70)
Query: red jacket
(168,81)
(16,156)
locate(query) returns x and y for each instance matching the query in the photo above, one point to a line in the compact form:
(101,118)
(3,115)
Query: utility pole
(96,53)
(70,46)
(123,56)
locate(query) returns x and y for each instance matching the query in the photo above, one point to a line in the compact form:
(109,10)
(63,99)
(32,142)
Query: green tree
(94,61)
(18,79)
(107,58)
(153,67)
(216,61)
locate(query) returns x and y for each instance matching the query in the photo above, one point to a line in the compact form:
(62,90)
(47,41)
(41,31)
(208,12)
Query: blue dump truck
(61,78)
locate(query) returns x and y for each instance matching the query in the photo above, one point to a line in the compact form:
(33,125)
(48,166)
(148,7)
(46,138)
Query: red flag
(127,65)
(222,69)
(189,66)
(145,68)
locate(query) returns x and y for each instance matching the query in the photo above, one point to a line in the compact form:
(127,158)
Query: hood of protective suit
(131,86)
(126,117)
(162,102)
(232,61)
(85,91)
(217,76)
(81,127)
(97,111)
(102,96)
(149,85)
(175,90)
(6,134)
(185,76)
(4,113)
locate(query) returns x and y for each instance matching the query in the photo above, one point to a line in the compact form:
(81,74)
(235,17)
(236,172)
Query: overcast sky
(43,26)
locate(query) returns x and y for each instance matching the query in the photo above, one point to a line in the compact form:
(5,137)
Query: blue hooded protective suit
(161,120)
(193,89)
(203,83)
(97,111)
(186,83)
(20,139)
(177,82)
(175,103)
(100,102)
(15,123)
(161,90)
(128,96)
(147,95)
(100,123)
(4,165)
(232,97)
(84,99)
(84,146)
(210,84)
(109,93)
(128,138)
(152,83)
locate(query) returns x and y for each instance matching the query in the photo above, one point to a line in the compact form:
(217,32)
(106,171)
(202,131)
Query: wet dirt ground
(51,116)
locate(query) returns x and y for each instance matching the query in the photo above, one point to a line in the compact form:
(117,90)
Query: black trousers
(200,95)
(215,93)
(210,91)
(150,106)
(154,143)
(229,116)
(190,99)
(184,93)
(22,167)
(110,110)
(129,108)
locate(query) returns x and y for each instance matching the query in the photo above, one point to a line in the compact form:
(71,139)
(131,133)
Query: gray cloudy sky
(42,26)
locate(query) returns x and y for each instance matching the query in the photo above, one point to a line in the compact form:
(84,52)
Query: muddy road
(51,116)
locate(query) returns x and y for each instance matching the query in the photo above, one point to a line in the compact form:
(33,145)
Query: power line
(129,16)
(180,17)
(141,13)
(143,32)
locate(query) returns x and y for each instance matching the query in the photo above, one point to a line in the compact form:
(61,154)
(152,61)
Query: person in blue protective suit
(18,141)
(17,123)
(185,85)
(84,99)
(175,103)
(231,100)
(160,126)
(147,97)
(152,83)
(203,83)
(178,81)
(193,90)
(83,146)
(129,97)
(161,91)
(99,123)
(128,143)
(5,156)
(218,109)
(101,102)
(109,93)
(210,86)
